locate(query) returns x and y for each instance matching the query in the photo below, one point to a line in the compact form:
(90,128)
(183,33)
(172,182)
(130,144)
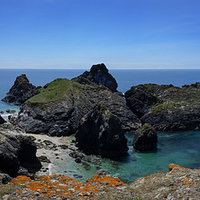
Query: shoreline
(52,150)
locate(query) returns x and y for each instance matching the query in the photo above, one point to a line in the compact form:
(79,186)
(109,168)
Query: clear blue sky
(80,33)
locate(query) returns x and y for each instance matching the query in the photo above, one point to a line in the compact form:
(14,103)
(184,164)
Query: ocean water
(181,148)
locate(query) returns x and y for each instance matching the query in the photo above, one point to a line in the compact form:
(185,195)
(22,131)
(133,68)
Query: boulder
(16,151)
(98,74)
(21,91)
(100,132)
(2,120)
(145,138)
(59,107)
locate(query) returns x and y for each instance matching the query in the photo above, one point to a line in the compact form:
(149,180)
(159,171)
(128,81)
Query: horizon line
(107,68)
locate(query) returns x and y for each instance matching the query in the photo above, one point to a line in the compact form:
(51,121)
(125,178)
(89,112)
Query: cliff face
(59,107)
(16,151)
(165,107)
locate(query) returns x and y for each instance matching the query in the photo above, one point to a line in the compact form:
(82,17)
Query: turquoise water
(181,148)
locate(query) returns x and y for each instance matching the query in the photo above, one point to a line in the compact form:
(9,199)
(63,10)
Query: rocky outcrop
(98,74)
(100,132)
(21,91)
(2,120)
(165,107)
(59,107)
(140,100)
(145,138)
(17,151)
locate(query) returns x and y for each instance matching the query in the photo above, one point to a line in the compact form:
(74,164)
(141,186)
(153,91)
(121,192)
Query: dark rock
(25,172)
(61,115)
(44,159)
(103,172)
(173,118)
(98,75)
(1,112)
(78,160)
(21,91)
(6,179)
(12,119)
(77,155)
(22,171)
(16,151)
(145,138)
(139,99)
(48,142)
(193,85)
(100,132)
(63,146)
(2,120)
(165,107)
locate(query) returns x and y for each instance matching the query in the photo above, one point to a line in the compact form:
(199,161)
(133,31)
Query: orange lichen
(109,181)
(57,185)
(173,167)
(140,180)
(20,180)
(187,181)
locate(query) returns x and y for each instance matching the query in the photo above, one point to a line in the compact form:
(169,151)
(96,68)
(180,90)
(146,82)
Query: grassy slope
(56,90)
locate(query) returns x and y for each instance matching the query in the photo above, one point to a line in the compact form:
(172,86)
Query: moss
(168,106)
(56,90)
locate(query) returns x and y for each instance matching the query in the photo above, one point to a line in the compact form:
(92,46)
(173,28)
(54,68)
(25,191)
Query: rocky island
(166,107)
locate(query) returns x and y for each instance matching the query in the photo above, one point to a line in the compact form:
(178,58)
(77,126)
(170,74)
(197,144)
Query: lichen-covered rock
(145,138)
(100,132)
(59,107)
(21,91)
(16,151)
(98,74)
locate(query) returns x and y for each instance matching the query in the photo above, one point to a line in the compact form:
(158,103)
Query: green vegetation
(168,106)
(8,189)
(56,90)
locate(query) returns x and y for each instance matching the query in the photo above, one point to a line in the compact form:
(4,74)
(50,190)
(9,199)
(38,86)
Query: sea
(182,148)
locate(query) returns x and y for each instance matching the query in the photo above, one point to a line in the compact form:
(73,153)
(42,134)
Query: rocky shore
(178,183)
(90,108)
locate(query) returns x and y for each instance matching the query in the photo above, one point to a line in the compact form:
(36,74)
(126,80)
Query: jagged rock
(165,107)
(16,151)
(2,120)
(59,107)
(100,132)
(145,138)
(98,75)
(21,91)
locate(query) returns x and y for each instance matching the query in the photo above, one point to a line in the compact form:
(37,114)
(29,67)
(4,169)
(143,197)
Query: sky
(123,34)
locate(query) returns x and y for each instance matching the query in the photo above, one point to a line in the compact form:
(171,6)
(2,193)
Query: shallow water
(180,148)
